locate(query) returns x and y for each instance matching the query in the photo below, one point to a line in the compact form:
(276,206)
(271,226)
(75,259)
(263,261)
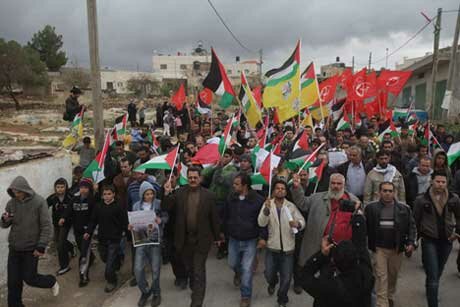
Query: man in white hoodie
(283,220)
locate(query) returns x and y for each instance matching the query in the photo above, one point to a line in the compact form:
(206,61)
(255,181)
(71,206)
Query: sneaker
(271,289)
(109,287)
(143,299)
(55,289)
(133,282)
(84,280)
(237,280)
(297,289)
(63,271)
(245,302)
(156,301)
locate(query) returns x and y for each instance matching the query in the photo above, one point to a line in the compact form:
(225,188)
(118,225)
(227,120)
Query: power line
(228,29)
(404,44)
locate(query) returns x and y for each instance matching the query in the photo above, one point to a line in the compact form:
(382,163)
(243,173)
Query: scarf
(439,201)
(388,172)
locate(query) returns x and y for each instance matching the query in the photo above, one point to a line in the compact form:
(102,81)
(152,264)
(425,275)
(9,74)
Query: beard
(335,194)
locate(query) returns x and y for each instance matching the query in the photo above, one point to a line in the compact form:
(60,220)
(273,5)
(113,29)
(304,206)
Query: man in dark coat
(347,281)
(197,227)
(72,106)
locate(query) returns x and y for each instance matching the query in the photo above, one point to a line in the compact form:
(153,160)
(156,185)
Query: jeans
(109,251)
(241,255)
(434,256)
(282,264)
(86,255)
(148,254)
(64,247)
(22,267)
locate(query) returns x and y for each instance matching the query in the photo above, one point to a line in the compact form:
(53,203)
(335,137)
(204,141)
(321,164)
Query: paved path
(222,293)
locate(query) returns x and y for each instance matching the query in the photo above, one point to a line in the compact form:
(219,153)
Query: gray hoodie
(31,224)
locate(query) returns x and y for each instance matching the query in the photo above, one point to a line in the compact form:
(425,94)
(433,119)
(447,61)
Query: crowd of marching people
(338,230)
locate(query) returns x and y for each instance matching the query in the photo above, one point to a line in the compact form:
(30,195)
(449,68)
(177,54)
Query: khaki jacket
(371,187)
(280,234)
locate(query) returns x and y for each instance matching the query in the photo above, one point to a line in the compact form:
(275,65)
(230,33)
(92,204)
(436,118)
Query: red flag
(345,78)
(363,86)
(179,98)
(257,94)
(207,155)
(393,81)
(327,89)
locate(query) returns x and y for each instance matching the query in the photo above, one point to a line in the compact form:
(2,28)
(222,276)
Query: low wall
(40,174)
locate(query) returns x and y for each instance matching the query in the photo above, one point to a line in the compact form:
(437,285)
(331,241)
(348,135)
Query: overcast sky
(130,30)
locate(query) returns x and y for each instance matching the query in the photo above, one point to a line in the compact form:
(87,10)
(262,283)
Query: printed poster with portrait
(145,230)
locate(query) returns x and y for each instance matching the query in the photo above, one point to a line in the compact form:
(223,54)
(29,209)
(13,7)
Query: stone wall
(40,174)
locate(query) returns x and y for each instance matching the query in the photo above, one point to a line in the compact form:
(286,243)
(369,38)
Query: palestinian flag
(315,173)
(337,109)
(154,141)
(453,153)
(203,101)
(264,175)
(207,155)
(389,129)
(183,174)
(344,123)
(95,169)
(248,103)
(218,82)
(226,136)
(309,93)
(282,88)
(76,130)
(120,127)
(428,138)
(166,161)
(302,141)
(303,163)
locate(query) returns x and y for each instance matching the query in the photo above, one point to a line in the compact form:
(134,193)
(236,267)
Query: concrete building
(329,70)
(117,80)
(195,66)
(418,87)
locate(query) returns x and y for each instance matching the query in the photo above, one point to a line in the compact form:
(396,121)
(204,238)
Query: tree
(143,86)
(20,66)
(76,77)
(47,43)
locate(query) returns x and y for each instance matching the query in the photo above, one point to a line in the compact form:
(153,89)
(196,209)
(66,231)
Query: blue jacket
(240,217)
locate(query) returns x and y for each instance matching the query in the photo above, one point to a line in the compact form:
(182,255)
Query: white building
(117,80)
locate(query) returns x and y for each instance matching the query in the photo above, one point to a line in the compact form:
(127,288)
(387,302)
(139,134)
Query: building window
(120,84)
(246,71)
(183,66)
(163,66)
(229,71)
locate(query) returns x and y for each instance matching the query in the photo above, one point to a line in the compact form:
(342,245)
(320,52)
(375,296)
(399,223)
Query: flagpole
(174,164)
(270,175)
(316,186)
(310,157)
(319,94)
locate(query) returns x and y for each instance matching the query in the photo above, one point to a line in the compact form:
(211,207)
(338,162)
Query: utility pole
(434,71)
(353,64)
(98,118)
(370,60)
(260,64)
(386,58)
(452,66)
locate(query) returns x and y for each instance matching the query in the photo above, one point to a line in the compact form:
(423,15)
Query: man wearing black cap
(72,106)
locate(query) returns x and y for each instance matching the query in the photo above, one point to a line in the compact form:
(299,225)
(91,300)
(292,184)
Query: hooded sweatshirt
(60,208)
(31,227)
(155,205)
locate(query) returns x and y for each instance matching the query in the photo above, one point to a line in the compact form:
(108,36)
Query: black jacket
(240,217)
(351,288)
(60,210)
(405,231)
(343,168)
(112,220)
(82,209)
